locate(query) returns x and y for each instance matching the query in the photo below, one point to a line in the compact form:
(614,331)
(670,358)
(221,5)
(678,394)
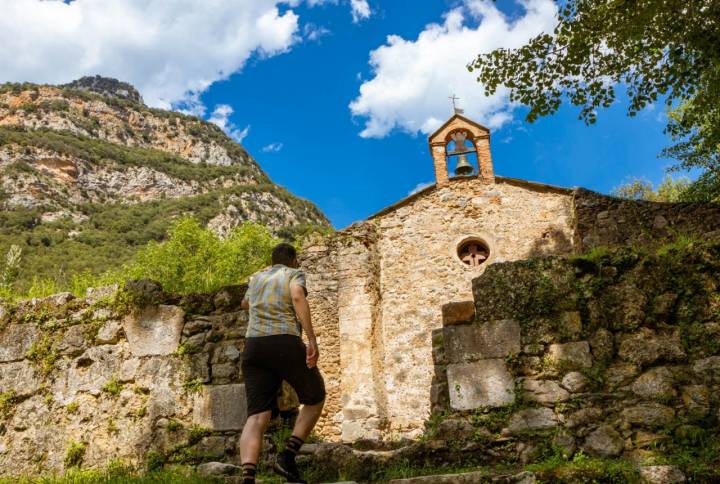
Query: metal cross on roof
(457,110)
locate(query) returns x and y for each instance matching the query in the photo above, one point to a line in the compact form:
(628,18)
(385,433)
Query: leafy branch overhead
(656,49)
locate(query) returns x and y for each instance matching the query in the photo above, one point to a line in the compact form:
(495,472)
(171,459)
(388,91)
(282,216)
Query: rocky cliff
(87,169)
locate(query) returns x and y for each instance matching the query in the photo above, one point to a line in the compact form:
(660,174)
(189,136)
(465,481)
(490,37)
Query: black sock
(292,446)
(248,473)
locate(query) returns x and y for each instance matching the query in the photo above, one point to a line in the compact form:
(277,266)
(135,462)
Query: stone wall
(617,355)
(96,379)
(608,221)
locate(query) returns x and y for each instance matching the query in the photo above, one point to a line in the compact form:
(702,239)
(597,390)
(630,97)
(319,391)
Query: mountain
(89,174)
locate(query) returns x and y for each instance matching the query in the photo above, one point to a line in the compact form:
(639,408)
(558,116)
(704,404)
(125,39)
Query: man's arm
(245,304)
(302,311)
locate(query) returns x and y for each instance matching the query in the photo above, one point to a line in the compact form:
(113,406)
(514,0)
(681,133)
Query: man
(274,351)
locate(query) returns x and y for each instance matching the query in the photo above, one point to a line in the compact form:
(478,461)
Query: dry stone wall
(608,221)
(150,379)
(615,355)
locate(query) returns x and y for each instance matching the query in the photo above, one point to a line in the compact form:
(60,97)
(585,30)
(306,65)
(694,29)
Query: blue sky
(290,88)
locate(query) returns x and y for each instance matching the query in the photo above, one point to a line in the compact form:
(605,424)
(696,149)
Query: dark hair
(283,254)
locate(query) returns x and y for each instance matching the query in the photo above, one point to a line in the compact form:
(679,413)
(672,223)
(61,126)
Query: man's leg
(251,443)
(309,415)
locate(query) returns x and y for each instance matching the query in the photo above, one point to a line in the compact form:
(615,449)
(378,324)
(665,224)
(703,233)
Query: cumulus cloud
(272,148)
(412,79)
(171,50)
(221,117)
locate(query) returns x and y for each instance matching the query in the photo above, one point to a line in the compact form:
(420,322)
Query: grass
(119,475)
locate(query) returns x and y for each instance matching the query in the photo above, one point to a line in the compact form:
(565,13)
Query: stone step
(476,477)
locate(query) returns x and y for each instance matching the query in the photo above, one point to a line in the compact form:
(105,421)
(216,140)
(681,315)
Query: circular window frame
(482,239)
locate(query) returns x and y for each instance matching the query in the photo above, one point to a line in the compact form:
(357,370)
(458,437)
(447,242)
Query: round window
(473,252)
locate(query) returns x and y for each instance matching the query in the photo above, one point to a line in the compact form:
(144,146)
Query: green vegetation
(669,190)
(193,386)
(43,353)
(582,468)
(113,387)
(119,474)
(194,259)
(74,454)
(7,402)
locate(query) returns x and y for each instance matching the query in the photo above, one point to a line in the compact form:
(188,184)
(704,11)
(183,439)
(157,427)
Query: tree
(656,48)
(669,190)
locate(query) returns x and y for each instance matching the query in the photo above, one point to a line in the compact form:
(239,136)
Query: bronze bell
(463,166)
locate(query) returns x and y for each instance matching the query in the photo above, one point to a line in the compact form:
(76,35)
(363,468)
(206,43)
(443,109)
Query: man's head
(285,254)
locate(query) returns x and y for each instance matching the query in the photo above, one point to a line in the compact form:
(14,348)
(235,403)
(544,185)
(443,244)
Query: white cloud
(221,117)
(272,148)
(412,79)
(360,9)
(171,50)
(420,187)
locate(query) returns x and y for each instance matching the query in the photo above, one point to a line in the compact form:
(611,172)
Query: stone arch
(478,135)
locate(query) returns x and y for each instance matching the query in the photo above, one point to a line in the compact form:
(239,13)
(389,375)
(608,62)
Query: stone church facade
(377,288)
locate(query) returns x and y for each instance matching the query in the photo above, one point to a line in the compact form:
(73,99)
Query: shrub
(195,260)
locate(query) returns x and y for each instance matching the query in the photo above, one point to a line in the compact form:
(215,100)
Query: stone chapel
(377,288)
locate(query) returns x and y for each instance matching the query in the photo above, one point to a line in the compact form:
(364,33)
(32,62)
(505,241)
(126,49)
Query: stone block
(570,355)
(604,442)
(574,382)
(544,391)
(485,383)
(15,341)
(708,368)
(665,474)
(602,344)
(649,415)
(496,339)
(458,312)
(20,377)
(221,407)
(646,347)
(696,399)
(571,323)
(109,333)
(74,341)
(156,330)
(654,383)
(530,419)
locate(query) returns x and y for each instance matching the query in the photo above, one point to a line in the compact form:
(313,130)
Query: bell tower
(466,136)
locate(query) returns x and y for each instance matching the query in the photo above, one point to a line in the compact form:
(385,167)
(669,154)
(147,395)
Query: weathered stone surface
(221,407)
(602,344)
(485,383)
(696,399)
(649,415)
(661,475)
(544,391)
(532,419)
(454,428)
(655,383)
(15,341)
(620,374)
(496,339)
(604,441)
(571,322)
(574,382)
(708,368)
(458,312)
(648,439)
(571,355)
(74,341)
(209,469)
(583,417)
(469,478)
(646,347)
(20,377)
(155,331)
(109,333)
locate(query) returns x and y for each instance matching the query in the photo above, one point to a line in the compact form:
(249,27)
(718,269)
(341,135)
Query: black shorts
(267,361)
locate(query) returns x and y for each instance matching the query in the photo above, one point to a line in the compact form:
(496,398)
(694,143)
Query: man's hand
(312,354)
